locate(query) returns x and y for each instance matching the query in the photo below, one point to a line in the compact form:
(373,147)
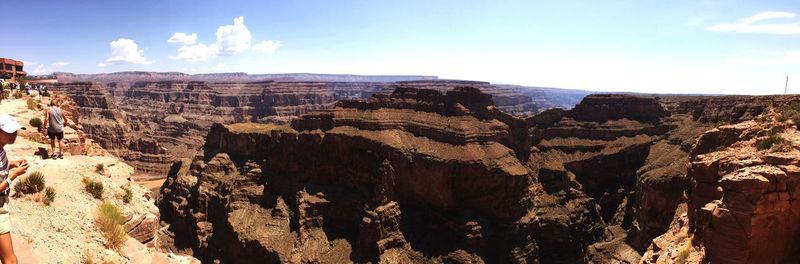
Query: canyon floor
(64,232)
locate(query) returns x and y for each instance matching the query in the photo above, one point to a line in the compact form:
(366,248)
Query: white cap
(9,124)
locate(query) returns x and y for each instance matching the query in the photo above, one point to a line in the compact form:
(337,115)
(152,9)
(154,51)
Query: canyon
(443,176)
(152,119)
(447,171)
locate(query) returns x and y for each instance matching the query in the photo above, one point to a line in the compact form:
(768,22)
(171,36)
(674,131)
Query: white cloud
(101,65)
(198,52)
(230,40)
(766,16)
(267,46)
(785,58)
(40,70)
(233,39)
(751,24)
(183,38)
(126,50)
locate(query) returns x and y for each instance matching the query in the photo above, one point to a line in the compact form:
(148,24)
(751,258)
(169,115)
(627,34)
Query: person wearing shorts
(55,119)
(8,172)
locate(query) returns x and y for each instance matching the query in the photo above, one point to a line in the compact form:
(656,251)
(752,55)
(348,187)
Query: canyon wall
(422,175)
(741,186)
(151,124)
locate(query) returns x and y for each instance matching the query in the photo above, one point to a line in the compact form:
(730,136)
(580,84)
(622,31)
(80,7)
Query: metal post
(786,86)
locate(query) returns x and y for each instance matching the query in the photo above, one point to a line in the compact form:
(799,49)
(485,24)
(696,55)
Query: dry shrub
(769,142)
(110,222)
(100,168)
(49,195)
(128,195)
(94,188)
(32,183)
(32,105)
(683,254)
(791,112)
(36,122)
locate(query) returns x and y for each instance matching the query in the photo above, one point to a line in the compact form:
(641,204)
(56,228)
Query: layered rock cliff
(421,175)
(151,124)
(742,180)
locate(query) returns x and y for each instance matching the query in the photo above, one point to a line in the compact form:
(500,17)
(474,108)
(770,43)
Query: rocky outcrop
(740,198)
(151,119)
(387,203)
(507,99)
(421,175)
(151,124)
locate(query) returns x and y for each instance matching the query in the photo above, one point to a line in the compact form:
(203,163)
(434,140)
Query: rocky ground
(741,197)
(64,232)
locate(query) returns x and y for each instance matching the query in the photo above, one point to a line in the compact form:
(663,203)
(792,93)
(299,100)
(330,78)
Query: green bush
(128,195)
(683,254)
(32,183)
(769,142)
(776,130)
(36,122)
(32,105)
(110,222)
(100,168)
(49,195)
(791,112)
(94,188)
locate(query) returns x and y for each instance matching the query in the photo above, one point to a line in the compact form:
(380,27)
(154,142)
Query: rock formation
(422,175)
(150,124)
(740,198)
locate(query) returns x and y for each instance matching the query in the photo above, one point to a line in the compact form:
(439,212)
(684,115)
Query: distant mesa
(139,76)
(173,111)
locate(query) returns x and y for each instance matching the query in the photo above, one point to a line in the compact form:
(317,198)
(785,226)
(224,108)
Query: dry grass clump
(49,195)
(94,188)
(128,194)
(31,104)
(36,122)
(100,168)
(110,222)
(773,141)
(791,112)
(683,254)
(33,183)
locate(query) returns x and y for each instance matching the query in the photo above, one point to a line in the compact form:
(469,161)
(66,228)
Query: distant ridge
(128,76)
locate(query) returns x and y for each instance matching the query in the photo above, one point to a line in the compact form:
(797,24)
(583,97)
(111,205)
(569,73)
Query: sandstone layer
(150,124)
(421,175)
(740,206)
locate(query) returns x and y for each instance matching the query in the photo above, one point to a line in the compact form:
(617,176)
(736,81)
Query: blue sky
(681,46)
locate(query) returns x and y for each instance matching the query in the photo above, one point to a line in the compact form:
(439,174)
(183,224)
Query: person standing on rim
(54,119)
(8,172)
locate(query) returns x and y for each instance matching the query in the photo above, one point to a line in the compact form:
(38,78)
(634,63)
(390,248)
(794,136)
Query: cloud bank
(230,40)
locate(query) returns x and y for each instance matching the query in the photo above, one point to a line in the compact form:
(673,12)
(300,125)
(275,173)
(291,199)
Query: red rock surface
(150,119)
(424,176)
(740,198)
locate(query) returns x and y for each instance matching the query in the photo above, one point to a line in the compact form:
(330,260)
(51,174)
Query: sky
(650,46)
